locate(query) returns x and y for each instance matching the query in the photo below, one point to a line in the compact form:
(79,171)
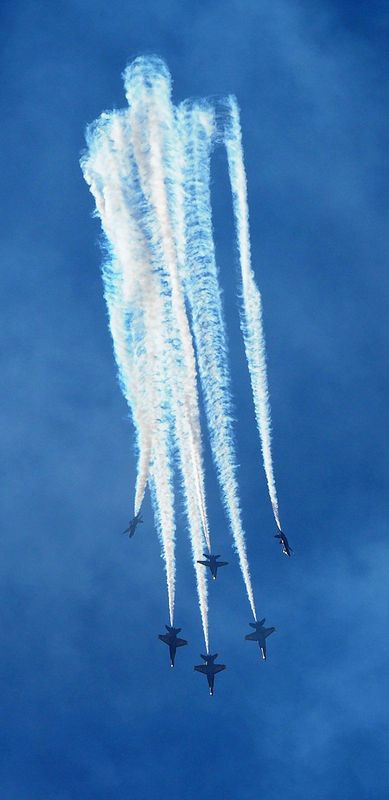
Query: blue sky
(91,708)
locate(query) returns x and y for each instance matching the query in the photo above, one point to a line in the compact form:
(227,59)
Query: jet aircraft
(210,669)
(134,522)
(260,635)
(284,543)
(213,563)
(172,640)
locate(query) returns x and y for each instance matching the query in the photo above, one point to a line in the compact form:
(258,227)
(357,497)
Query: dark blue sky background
(91,708)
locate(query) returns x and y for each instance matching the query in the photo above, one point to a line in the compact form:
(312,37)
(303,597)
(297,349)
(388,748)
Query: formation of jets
(259,634)
(209,668)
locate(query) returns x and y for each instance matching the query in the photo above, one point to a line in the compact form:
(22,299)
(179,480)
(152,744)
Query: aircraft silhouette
(210,669)
(170,638)
(260,635)
(134,522)
(284,543)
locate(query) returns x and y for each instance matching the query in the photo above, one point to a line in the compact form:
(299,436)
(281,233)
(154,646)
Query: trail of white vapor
(148,168)
(251,309)
(129,280)
(104,169)
(202,288)
(154,138)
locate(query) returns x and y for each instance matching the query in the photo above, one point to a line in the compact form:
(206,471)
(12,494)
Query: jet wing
(268,631)
(201,668)
(218,667)
(205,563)
(164,638)
(252,637)
(222,564)
(180,642)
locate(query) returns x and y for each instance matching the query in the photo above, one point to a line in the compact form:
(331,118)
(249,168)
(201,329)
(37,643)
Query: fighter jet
(213,563)
(134,522)
(172,640)
(210,669)
(284,543)
(260,635)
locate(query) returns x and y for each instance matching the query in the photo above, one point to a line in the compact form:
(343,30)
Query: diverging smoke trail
(155,143)
(135,327)
(202,288)
(251,309)
(148,168)
(159,159)
(106,168)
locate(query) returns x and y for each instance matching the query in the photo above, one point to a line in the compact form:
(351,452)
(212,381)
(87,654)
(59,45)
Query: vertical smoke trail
(202,288)
(148,80)
(161,471)
(152,123)
(105,169)
(102,172)
(129,291)
(149,170)
(251,312)
(177,414)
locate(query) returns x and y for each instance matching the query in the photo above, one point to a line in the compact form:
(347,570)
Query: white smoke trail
(129,293)
(251,312)
(149,170)
(105,169)
(201,284)
(152,123)
(183,446)
(161,471)
(163,157)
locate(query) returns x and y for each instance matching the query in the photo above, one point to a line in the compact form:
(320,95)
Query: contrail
(128,281)
(148,168)
(105,169)
(202,288)
(251,311)
(161,478)
(152,121)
